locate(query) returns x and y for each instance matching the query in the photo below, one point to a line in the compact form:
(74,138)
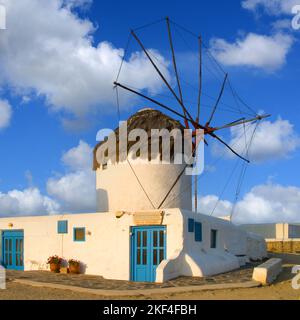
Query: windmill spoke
(218,100)
(175,66)
(228,146)
(200,79)
(242,121)
(157,103)
(162,76)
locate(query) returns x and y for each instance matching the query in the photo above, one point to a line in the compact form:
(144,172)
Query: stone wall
(285,246)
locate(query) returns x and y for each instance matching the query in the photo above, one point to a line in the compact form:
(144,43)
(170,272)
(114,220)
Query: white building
(134,236)
(275,231)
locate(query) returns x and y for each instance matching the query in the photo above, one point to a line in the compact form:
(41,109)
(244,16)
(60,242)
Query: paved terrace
(241,276)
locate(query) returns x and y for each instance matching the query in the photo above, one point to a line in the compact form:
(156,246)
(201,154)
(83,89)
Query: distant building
(274,231)
(280,237)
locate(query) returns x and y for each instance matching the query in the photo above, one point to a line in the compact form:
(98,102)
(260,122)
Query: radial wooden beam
(175,66)
(217,102)
(228,146)
(242,121)
(200,79)
(189,117)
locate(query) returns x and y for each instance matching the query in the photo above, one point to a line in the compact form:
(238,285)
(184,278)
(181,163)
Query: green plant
(73,262)
(54,260)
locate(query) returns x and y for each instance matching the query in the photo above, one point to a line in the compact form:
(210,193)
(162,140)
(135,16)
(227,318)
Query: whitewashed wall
(106,250)
(199,259)
(119,182)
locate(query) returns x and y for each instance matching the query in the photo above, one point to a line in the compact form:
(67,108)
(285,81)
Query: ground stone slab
(96,282)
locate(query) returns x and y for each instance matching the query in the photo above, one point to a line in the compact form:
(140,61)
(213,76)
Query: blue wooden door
(13,249)
(148,249)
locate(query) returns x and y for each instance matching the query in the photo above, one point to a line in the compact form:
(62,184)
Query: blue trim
(145,269)
(74,229)
(198,231)
(13,249)
(62,226)
(191,223)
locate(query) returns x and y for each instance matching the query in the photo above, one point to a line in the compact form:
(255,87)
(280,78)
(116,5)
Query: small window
(213,239)
(79,234)
(62,226)
(198,231)
(191,223)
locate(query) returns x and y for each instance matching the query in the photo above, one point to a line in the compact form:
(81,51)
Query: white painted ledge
(267,272)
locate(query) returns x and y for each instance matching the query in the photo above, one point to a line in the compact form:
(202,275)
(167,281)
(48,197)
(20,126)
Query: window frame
(64,227)
(74,233)
(198,232)
(213,238)
(191,225)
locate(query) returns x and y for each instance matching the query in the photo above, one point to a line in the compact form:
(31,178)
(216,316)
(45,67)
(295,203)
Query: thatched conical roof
(146,119)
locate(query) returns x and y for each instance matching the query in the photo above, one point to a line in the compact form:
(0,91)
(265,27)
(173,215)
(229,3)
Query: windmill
(195,121)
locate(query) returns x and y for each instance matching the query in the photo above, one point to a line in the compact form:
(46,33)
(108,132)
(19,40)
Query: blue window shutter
(191,223)
(198,231)
(79,234)
(62,226)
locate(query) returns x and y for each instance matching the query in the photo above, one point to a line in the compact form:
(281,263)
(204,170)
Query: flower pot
(55,267)
(75,269)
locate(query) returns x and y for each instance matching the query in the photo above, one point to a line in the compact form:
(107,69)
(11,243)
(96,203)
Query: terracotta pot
(55,267)
(74,268)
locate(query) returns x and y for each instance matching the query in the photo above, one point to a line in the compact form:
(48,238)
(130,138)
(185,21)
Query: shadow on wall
(198,257)
(102,200)
(176,265)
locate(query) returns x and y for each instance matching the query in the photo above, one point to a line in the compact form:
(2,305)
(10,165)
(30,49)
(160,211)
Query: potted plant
(74,266)
(55,263)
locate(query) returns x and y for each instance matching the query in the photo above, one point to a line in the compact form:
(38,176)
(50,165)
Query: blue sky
(59,61)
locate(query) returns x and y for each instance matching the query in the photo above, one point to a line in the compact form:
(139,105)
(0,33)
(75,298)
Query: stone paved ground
(96,282)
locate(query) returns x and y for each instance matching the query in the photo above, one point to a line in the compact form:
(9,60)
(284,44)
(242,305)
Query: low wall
(284,246)
(267,272)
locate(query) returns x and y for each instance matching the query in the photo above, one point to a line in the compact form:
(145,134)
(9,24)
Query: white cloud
(77,3)
(210,204)
(26,202)
(264,203)
(282,24)
(48,50)
(272,140)
(271,7)
(76,190)
(254,50)
(5,114)
(79,158)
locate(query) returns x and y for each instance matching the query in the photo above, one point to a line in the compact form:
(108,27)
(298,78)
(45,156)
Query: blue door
(148,249)
(13,249)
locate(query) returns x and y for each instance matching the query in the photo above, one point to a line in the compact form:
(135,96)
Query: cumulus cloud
(271,7)
(48,50)
(264,203)
(211,204)
(282,24)
(272,140)
(26,202)
(5,114)
(76,190)
(259,51)
(71,192)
